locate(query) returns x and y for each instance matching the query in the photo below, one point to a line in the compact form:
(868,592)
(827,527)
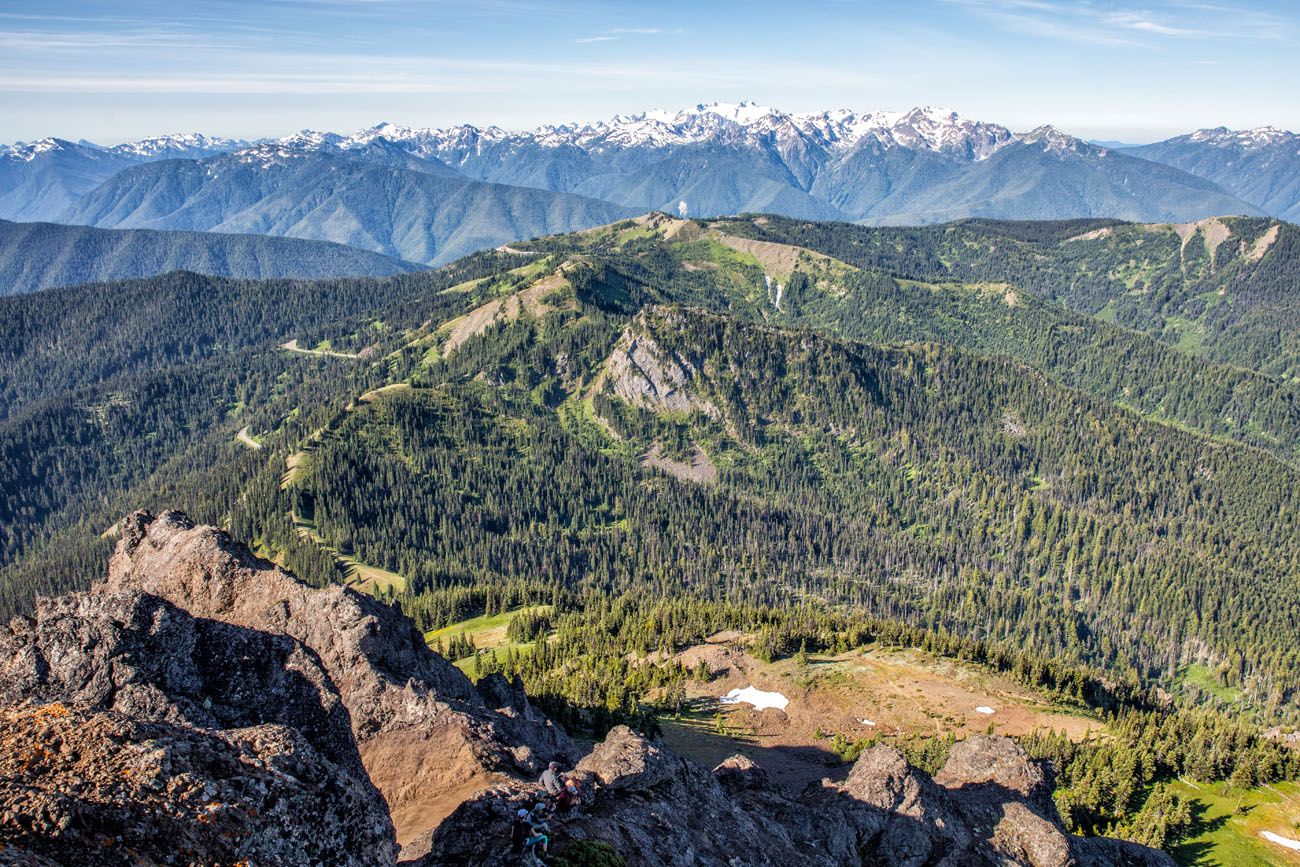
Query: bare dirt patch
(779,260)
(1213,230)
(1215,233)
(531,300)
(1263,243)
(1104,232)
(700,469)
(423,780)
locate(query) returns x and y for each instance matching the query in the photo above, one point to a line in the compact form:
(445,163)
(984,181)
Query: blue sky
(1133,71)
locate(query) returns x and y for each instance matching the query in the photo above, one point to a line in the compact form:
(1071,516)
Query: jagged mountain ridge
(921,165)
(40,179)
(190,717)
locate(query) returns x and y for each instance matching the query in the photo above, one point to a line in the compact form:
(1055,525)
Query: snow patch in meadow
(758,698)
(1280,840)
(983,709)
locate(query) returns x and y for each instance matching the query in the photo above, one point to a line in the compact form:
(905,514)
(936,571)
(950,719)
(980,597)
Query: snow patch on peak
(1054,141)
(308,139)
(743,113)
(28,151)
(177,145)
(266,154)
(1244,139)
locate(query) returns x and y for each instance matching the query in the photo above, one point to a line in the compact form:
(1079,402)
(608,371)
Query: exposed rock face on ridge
(427,737)
(132,732)
(655,808)
(645,375)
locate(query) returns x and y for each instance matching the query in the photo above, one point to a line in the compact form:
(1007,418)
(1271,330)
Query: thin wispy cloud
(615,33)
(1087,22)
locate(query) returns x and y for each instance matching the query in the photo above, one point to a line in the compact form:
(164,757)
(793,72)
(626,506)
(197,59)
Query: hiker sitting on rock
(551,780)
(569,797)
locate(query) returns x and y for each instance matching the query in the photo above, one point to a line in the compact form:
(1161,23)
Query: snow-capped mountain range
(1260,165)
(175,146)
(922,165)
(927,128)
(933,129)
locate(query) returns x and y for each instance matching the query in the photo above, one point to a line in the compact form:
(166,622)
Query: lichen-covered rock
(132,732)
(143,657)
(83,788)
(989,760)
(427,737)
(739,772)
(625,760)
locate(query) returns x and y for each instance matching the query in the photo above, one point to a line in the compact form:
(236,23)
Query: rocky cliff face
(132,732)
(427,737)
(201,706)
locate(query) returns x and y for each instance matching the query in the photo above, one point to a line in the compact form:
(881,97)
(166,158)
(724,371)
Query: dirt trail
(292,346)
(247,440)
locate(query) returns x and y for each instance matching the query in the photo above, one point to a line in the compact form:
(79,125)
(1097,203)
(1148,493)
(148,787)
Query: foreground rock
(427,737)
(655,808)
(132,732)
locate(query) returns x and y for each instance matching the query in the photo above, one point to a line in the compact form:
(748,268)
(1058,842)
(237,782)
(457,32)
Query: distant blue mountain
(43,255)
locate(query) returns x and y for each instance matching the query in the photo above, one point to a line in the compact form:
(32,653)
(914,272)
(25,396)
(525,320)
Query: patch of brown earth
(700,469)
(1263,243)
(903,693)
(779,260)
(1213,230)
(1104,232)
(531,300)
(424,778)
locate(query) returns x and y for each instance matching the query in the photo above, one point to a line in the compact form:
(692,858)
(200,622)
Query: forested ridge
(666,428)
(1223,288)
(45,255)
(114,396)
(920,484)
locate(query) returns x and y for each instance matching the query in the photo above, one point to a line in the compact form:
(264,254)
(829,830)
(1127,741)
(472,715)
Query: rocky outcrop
(644,374)
(132,732)
(986,807)
(427,737)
